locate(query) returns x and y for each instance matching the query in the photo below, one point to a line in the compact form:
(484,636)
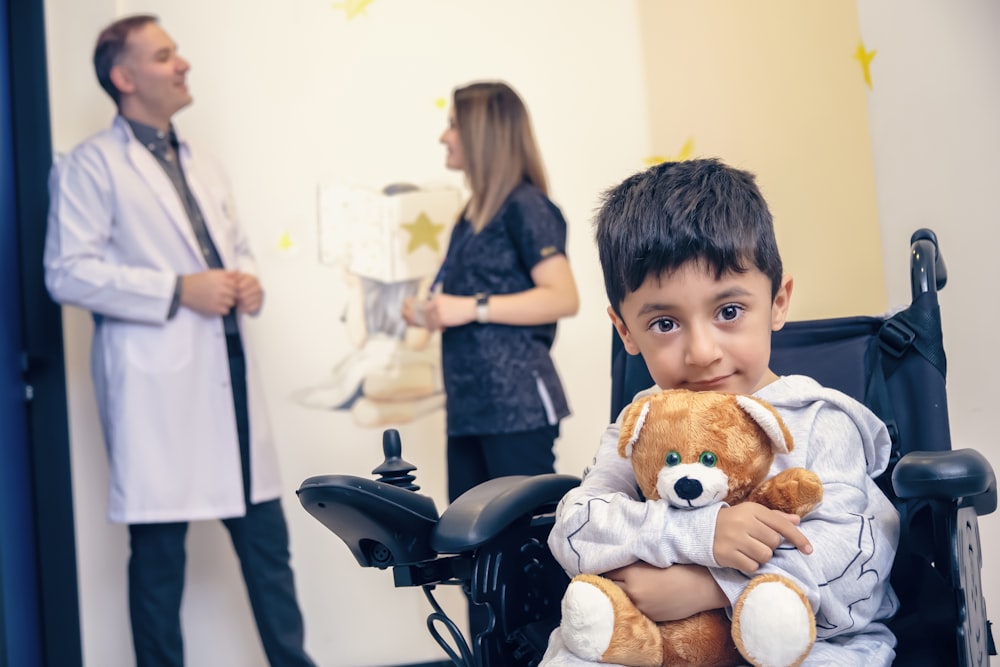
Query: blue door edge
(47,423)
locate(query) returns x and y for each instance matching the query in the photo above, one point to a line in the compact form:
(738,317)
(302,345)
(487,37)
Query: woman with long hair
(504,284)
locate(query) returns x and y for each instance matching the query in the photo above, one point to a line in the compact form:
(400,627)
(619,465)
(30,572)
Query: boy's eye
(707,459)
(672,459)
(730,312)
(664,325)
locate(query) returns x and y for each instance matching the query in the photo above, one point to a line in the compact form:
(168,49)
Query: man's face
(697,332)
(151,76)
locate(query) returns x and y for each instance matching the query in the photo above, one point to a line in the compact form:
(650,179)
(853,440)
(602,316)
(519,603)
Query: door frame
(41,332)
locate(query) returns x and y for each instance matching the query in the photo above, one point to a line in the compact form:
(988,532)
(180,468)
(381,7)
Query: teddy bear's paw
(588,619)
(808,492)
(600,624)
(773,624)
(795,490)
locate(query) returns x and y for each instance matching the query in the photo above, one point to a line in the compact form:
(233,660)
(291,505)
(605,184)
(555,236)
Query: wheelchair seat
(492,539)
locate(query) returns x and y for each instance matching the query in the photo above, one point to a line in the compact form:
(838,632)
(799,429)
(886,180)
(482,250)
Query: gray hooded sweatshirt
(604,524)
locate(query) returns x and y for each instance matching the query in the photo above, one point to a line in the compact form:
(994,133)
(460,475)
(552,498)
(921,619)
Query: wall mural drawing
(388,244)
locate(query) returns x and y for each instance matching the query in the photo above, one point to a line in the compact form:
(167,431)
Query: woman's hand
(446,310)
(440,311)
(413,312)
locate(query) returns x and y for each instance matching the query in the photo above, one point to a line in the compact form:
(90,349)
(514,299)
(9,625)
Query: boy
(695,283)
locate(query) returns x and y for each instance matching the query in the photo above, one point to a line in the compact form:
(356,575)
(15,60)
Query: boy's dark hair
(110,46)
(656,221)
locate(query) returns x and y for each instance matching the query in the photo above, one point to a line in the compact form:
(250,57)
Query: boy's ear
(779,308)
(623,333)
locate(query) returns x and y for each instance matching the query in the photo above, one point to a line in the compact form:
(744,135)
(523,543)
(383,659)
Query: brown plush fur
(690,424)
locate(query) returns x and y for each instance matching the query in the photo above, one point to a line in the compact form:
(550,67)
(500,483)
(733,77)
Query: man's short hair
(656,221)
(110,46)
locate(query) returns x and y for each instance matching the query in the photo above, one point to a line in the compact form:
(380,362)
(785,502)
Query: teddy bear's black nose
(687,488)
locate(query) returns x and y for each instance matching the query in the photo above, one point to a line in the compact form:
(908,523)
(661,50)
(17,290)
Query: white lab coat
(118,237)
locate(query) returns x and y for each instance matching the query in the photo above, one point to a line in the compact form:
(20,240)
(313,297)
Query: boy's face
(701,333)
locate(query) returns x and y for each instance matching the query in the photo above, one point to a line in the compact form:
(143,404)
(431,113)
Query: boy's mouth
(708,384)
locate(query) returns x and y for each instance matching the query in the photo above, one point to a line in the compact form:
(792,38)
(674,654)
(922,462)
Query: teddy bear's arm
(795,490)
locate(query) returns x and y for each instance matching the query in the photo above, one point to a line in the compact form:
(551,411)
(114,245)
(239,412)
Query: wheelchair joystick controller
(395,470)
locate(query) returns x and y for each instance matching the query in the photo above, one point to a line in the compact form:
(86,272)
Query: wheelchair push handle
(928,272)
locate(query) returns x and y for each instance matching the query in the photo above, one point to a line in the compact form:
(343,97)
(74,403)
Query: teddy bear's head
(697,448)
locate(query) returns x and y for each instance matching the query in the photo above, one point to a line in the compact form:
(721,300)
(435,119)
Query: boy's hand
(669,593)
(747,534)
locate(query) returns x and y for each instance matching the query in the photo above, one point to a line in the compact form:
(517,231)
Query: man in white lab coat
(142,233)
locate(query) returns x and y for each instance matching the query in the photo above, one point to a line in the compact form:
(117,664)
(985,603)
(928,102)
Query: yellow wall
(773,87)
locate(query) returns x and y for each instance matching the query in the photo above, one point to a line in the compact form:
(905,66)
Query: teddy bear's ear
(632,423)
(769,420)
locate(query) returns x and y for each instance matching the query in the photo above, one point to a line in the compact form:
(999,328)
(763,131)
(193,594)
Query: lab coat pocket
(165,348)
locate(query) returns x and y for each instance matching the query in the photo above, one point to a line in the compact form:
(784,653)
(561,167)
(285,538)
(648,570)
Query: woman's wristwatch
(482,308)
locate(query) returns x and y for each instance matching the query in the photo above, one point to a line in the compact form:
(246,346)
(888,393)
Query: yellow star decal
(685,153)
(865,57)
(353,8)
(441,102)
(422,232)
(285,242)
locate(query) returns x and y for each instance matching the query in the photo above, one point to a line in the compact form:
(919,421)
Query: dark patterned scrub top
(500,378)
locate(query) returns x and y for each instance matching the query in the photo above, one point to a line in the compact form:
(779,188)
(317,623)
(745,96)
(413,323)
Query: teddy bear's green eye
(707,459)
(673,458)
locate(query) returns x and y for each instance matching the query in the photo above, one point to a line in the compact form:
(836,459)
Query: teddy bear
(691,449)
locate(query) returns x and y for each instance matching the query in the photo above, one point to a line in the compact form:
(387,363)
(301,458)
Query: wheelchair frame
(492,540)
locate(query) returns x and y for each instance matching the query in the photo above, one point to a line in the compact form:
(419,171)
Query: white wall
(293,94)
(935,124)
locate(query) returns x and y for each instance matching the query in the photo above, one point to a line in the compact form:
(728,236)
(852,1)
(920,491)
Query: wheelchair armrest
(483,512)
(947,475)
(382,524)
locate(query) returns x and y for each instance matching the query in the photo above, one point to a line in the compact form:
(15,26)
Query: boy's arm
(669,593)
(854,533)
(604,524)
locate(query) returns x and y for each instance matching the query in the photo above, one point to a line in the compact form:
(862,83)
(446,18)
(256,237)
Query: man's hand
(212,292)
(669,593)
(747,534)
(249,293)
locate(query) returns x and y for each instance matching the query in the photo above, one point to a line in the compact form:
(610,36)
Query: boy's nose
(702,349)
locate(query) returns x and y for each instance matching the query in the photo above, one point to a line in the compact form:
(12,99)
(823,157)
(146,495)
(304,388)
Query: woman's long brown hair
(498,145)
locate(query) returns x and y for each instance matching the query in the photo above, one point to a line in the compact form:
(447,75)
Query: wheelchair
(492,540)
